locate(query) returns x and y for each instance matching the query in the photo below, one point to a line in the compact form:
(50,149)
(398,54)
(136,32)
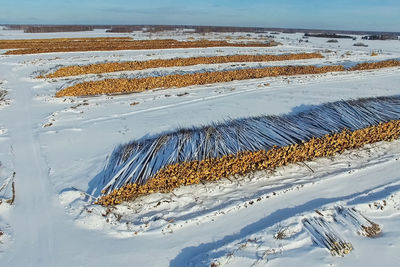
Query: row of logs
(123,86)
(213,169)
(109,44)
(175,62)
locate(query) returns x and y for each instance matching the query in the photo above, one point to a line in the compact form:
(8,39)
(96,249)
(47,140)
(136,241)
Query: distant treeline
(125,28)
(381,37)
(198,29)
(328,35)
(50,28)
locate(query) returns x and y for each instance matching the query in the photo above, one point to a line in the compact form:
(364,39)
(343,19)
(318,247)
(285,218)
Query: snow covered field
(57,148)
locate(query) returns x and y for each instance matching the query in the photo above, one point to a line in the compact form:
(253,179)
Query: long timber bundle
(173,62)
(190,156)
(125,86)
(56,45)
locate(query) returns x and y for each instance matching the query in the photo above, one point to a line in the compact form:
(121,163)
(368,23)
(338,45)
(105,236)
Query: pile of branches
(324,235)
(175,62)
(359,222)
(3,94)
(240,146)
(123,86)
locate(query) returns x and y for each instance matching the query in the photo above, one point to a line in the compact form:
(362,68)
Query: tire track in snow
(31,217)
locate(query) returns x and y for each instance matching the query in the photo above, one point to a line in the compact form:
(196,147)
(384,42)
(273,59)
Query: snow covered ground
(58,148)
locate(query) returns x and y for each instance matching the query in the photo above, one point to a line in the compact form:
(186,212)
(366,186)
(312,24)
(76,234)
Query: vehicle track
(31,218)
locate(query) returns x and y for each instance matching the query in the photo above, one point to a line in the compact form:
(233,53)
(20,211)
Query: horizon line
(217,26)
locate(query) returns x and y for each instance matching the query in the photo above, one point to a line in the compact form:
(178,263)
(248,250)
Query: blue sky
(321,14)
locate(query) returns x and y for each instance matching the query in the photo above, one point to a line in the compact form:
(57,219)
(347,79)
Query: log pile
(140,160)
(175,62)
(213,169)
(376,65)
(36,46)
(123,86)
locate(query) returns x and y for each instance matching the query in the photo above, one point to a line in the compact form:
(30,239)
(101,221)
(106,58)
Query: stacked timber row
(121,86)
(36,46)
(192,156)
(174,62)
